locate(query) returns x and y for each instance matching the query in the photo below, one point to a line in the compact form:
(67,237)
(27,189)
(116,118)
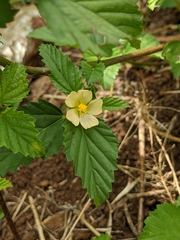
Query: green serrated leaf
(102,237)
(163,223)
(19,134)
(172,53)
(46,34)
(110,74)
(94,153)
(13,84)
(65,75)
(6,13)
(147,41)
(10,161)
(49,120)
(92,20)
(154,3)
(92,74)
(111,104)
(4,183)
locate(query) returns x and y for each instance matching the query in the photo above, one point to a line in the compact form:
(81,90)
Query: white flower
(83,108)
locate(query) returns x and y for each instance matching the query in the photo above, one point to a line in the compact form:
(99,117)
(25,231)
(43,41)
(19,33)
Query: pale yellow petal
(72,116)
(88,121)
(85,96)
(72,100)
(95,107)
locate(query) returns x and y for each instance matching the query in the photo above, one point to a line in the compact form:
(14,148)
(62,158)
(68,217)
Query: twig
(169,136)
(170,164)
(129,220)
(84,208)
(8,218)
(125,191)
(110,220)
(77,212)
(36,217)
(19,206)
(145,194)
(141,158)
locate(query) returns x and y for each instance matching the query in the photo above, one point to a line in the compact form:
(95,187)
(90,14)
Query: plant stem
(30,70)
(8,218)
(130,56)
(108,62)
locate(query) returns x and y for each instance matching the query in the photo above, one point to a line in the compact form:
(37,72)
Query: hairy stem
(8,217)
(130,56)
(30,70)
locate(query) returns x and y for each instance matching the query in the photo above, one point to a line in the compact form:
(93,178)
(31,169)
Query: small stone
(44,183)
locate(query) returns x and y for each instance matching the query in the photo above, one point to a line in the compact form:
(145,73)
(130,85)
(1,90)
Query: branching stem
(108,62)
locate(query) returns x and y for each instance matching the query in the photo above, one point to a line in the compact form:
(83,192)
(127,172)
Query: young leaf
(4,183)
(19,134)
(13,84)
(65,75)
(147,41)
(49,121)
(163,223)
(10,161)
(92,74)
(172,53)
(111,103)
(91,19)
(102,237)
(6,13)
(94,153)
(154,3)
(110,74)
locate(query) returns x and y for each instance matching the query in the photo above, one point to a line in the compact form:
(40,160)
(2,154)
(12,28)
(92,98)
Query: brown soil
(146,131)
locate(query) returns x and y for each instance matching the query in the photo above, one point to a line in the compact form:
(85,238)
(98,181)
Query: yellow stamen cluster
(82,108)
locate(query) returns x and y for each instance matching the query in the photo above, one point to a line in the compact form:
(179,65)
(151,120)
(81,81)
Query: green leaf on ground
(111,104)
(163,223)
(10,161)
(92,74)
(90,21)
(65,75)
(19,134)
(172,53)
(94,153)
(13,84)
(49,120)
(4,183)
(102,237)
(6,13)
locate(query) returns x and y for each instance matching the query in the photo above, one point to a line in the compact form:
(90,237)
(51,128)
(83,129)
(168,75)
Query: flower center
(82,108)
